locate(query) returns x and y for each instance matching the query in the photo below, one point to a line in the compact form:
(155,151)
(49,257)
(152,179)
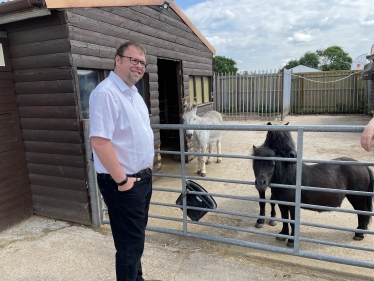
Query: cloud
(267,34)
(300,37)
(367,22)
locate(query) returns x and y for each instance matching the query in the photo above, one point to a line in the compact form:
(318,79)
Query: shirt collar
(121,85)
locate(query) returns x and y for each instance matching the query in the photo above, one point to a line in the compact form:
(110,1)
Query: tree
(224,65)
(309,59)
(334,58)
(291,64)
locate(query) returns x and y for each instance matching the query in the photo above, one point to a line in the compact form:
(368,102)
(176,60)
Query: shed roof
(303,68)
(58,4)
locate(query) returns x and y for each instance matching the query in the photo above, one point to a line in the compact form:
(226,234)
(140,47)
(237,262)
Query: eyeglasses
(135,61)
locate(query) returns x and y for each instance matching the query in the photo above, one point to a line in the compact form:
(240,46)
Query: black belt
(136,175)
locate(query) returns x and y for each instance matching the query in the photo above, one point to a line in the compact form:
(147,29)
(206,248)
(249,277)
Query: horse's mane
(279,137)
(263,151)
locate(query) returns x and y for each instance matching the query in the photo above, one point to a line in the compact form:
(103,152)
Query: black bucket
(196,200)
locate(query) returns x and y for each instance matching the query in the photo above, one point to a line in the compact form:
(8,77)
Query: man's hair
(121,49)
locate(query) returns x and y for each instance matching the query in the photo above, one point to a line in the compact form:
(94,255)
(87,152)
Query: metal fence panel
(185,229)
(272,94)
(248,96)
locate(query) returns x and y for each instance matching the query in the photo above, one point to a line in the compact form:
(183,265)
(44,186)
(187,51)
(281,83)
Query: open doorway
(170,92)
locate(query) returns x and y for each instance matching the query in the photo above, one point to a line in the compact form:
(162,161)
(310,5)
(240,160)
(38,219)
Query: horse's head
(189,115)
(263,169)
(282,143)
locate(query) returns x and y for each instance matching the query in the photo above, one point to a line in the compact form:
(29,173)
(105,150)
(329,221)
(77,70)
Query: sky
(265,35)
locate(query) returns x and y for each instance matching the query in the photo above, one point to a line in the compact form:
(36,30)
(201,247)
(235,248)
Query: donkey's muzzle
(188,136)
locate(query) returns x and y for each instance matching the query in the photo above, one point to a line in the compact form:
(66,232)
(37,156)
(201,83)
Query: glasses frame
(132,60)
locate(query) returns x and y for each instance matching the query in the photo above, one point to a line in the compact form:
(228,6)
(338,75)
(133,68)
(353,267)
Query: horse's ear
(269,123)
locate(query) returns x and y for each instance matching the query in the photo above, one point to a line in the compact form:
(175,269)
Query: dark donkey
(274,141)
(336,176)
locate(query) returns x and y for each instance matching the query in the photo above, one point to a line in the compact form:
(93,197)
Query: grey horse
(201,139)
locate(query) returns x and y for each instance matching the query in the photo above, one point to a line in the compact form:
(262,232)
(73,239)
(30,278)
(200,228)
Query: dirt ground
(316,146)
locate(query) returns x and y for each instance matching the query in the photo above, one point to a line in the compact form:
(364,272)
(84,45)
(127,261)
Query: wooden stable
(54,54)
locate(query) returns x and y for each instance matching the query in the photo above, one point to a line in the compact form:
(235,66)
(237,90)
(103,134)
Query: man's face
(128,72)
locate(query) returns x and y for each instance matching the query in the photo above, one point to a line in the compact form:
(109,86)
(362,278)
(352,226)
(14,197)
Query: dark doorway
(169,88)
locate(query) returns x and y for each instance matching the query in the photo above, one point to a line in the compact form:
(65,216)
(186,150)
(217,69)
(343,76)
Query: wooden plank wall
(47,100)
(96,33)
(15,193)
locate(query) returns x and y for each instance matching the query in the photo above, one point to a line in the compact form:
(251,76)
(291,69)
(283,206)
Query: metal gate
(190,228)
(249,96)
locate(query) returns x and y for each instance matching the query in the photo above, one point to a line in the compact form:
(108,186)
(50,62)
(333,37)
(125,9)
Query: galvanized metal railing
(253,95)
(297,222)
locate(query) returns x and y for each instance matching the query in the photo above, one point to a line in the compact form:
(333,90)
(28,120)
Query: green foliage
(331,58)
(291,64)
(334,58)
(309,59)
(224,65)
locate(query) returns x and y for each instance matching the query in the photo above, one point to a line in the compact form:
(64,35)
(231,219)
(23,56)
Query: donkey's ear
(287,123)
(184,104)
(269,123)
(194,105)
(254,147)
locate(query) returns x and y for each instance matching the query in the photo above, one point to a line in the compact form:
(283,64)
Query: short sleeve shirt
(118,113)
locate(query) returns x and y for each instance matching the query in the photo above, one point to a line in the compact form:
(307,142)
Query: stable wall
(15,193)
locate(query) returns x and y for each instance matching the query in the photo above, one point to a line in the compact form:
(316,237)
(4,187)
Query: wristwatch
(122,182)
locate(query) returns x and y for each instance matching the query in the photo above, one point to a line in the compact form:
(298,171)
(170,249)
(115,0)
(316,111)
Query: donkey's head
(189,115)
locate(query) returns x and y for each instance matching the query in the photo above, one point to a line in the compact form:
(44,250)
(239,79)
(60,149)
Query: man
(367,135)
(122,142)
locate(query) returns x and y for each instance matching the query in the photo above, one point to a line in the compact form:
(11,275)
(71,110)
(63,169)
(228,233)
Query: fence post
(91,176)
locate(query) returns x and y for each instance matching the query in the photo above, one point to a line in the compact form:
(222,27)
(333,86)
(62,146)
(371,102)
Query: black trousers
(128,214)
